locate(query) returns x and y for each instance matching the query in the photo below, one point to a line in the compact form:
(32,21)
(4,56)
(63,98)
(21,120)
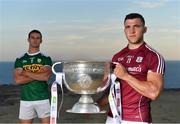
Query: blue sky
(86,29)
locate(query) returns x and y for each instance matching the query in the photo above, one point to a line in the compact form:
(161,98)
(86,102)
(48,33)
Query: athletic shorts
(111,120)
(32,109)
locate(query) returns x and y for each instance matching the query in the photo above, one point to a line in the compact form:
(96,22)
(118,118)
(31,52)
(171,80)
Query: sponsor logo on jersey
(135,69)
(33,67)
(139,59)
(120,59)
(24,61)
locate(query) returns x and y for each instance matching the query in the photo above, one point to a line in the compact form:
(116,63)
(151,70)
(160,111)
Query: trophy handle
(63,75)
(53,69)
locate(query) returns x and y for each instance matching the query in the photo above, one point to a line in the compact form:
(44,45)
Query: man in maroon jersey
(140,71)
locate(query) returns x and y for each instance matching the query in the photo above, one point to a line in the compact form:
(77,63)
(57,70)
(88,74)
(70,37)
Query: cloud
(174,31)
(73,37)
(177,31)
(83,33)
(108,28)
(146,4)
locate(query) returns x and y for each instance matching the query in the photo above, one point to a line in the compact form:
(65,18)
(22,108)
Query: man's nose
(132,30)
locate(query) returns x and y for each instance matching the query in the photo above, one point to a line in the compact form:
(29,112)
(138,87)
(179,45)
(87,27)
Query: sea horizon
(172,78)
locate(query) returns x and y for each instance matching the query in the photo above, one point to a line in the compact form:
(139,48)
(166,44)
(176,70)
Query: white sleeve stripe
(159,63)
(160,67)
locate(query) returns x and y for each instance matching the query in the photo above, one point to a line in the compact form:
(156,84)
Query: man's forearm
(103,101)
(140,86)
(150,88)
(23,79)
(42,76)
(146,88)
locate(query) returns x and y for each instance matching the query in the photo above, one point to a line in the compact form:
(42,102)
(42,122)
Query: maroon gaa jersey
(138,63)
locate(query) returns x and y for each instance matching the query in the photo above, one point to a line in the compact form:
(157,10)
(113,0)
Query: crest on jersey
(39,60)
(139,59)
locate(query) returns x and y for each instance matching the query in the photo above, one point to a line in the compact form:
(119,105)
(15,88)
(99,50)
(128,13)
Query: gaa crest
(139,59)
(39,60)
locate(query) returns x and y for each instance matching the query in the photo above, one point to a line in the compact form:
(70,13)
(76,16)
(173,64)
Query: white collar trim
(32,54)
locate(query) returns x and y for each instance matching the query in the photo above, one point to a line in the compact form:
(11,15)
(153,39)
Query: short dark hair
(133,16)
(34,31)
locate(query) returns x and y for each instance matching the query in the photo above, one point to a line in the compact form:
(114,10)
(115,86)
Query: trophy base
(84,108)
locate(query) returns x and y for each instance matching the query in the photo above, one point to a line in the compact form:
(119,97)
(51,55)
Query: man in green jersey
(32,71)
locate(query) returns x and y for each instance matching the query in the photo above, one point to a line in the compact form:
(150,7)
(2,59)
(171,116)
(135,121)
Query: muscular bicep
(157,82)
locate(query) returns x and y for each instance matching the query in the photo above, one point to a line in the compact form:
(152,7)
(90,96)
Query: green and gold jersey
(34,90)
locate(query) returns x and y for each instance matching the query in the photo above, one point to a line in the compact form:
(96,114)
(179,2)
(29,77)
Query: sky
(86,29)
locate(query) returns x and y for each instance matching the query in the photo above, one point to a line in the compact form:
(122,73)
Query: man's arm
(103,100)
(150,88)
(43,75)
(20,78)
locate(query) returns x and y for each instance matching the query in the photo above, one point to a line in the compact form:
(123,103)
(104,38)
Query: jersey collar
(141,46)
(32,54)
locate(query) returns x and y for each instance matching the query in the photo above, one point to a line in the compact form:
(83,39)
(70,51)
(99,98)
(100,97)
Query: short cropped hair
(133,16)
(34,31)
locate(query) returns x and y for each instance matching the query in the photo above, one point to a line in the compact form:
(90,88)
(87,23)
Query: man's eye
(138,26)
(127,27)
(35,37)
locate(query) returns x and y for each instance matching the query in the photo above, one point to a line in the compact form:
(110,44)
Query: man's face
(134,30)
(34,40)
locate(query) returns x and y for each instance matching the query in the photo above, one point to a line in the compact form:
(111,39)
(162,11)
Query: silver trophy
(85,78)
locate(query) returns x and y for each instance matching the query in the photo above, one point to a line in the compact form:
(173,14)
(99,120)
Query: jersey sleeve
(157,64)
(48,61)
(18,64)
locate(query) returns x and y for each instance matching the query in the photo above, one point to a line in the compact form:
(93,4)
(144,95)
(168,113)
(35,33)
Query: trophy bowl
(86,78)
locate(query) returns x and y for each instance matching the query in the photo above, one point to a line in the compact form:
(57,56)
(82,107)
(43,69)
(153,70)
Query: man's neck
(33,50)
(135,46)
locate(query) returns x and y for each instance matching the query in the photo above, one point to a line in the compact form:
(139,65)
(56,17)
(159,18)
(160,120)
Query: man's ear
(145,29)
(28,39)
